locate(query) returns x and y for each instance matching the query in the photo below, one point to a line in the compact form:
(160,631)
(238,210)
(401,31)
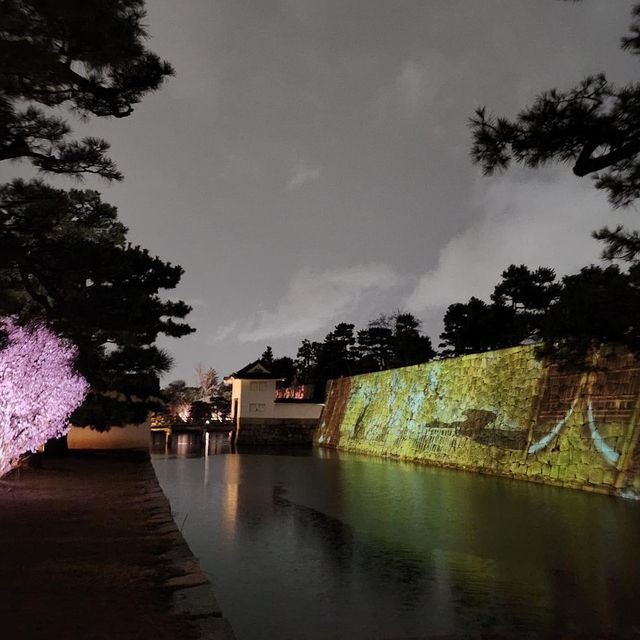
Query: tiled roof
(256,370)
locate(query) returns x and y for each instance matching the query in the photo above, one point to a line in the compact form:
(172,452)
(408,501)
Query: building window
(255,407)
(258,386)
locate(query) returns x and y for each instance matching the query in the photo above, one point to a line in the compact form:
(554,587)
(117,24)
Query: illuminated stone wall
(500,412)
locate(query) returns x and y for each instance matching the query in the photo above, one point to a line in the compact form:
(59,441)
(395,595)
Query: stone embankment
(89,549)
(502,413)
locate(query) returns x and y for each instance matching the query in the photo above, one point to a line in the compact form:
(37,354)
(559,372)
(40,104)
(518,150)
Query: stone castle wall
(276,431)
(500,412)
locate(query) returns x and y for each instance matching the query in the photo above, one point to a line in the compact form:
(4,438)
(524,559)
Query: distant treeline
(571,318)
(387,342)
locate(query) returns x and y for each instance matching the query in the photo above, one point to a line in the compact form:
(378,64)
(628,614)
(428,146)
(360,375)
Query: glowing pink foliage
(38,389)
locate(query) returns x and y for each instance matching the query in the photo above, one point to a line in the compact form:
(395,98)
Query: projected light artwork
(38,389)
(499,412)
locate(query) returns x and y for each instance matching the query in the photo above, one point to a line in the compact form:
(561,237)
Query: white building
(261,418)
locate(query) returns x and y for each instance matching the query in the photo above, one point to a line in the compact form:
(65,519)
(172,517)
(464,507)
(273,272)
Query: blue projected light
(610,455)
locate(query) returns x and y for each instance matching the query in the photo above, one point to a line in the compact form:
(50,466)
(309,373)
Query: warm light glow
(299,392)
(38,389)
(184,411)
(231,483)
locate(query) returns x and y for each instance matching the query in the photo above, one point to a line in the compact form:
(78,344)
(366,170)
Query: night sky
(309,162)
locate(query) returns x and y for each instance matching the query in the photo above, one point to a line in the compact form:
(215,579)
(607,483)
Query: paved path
(88,550)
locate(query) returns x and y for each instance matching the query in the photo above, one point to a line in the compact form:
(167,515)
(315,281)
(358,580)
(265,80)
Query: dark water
(328,545)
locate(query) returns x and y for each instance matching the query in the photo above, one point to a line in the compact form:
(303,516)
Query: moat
(321,544)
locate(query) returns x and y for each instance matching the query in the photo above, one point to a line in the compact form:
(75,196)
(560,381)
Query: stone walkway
(89,550)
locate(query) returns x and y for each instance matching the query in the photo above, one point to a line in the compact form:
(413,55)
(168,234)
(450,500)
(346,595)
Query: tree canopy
(87,56)
(65,256)
(208,380)
(38,389)
(571,319)
(594,127)
(597,307)
(387,342)
(518,308)
(67,260)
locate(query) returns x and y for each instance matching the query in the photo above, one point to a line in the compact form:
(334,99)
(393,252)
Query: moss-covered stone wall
(501,412)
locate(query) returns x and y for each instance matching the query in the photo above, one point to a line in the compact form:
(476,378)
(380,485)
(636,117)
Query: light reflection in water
(355,547)
(232,480)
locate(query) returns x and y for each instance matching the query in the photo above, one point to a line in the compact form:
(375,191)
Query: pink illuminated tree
(38,389)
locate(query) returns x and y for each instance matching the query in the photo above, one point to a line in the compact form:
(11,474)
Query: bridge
(162,432)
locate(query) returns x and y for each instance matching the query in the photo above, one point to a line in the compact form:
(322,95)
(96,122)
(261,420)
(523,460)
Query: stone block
(515,467)
(576,456)
(546,471)
(582,472)
(567,474)
(587,458)
(534,469)
(613,429)
(595,475)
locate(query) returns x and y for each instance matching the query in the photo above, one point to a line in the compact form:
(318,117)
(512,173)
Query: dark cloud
(313,138)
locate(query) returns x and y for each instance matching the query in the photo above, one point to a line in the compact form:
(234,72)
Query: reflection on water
(330,545)
(190,444)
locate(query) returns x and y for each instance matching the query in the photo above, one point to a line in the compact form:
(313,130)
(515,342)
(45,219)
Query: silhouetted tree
(200,412)
(64,255)
(178,397)
(388,341)
(376,345)
(529,294)
(526,290)
(306,362)
(220,407)
(65,259)
(337,357)
(409,346)
(597,306)
(284,368)
(88,56)
(476,326)
(594,127)
(519,304)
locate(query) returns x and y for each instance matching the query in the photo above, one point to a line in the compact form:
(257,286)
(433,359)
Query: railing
(179,425)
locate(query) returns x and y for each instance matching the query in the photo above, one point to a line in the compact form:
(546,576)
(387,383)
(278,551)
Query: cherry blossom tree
(38,389)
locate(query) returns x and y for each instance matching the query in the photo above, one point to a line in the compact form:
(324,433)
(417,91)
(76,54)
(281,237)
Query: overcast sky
(309,162)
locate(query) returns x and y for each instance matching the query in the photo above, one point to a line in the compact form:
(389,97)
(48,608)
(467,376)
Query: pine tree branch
(585,164)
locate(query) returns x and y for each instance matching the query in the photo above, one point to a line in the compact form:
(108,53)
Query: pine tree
(85,56)
(594,128)
(65,258)
(67,261)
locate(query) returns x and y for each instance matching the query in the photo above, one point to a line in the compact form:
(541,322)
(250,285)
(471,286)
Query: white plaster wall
(301,410)
(249,397)
(236,389)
